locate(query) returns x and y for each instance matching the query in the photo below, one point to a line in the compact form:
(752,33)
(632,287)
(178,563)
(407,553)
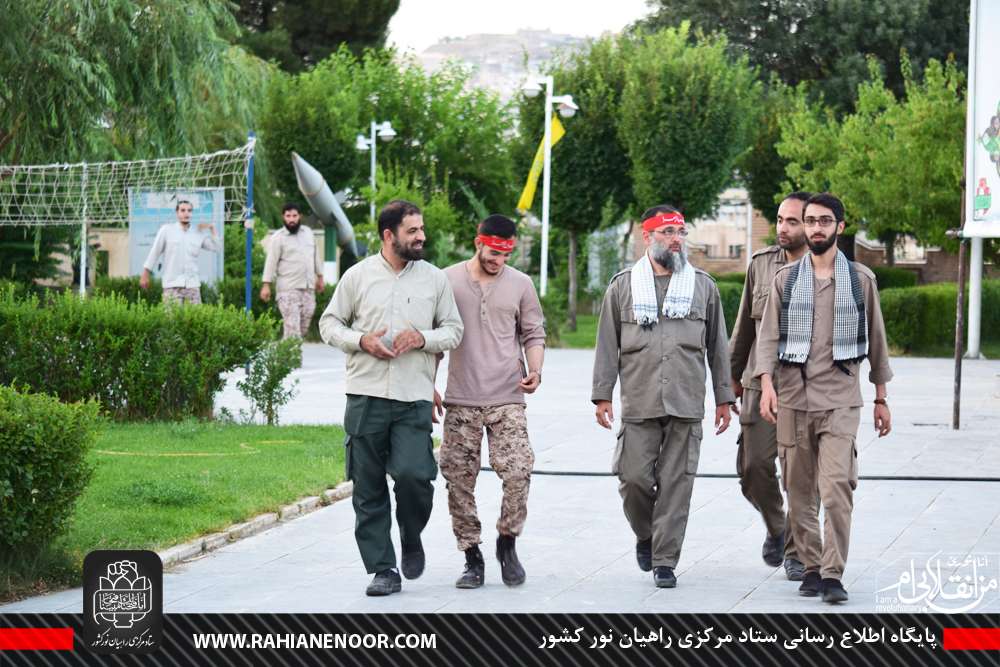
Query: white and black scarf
(676,304)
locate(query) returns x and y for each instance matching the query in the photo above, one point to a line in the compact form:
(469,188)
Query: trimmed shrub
(730,292)
(43,446)
(736,277)
(888,277)
(923,318)
(139,361)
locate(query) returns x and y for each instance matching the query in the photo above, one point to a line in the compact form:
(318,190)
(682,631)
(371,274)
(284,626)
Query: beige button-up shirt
(756,288)
(824,387)
(180,248)
(292,262)
(662,368)
(370,296)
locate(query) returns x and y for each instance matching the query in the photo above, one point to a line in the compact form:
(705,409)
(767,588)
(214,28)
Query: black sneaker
(794,569)
(663,577)
(773,549)
(413,560)
(511,570)
(644,554)
(811,584)
(475,569)
(833,591)
(385,582)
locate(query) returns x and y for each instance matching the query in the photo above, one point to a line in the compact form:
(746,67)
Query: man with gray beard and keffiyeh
(659,321)
(821,320)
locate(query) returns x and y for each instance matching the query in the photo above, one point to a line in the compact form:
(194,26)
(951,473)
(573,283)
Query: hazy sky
(420,23)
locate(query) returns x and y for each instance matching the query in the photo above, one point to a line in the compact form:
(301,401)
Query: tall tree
(827,41)
(300,33)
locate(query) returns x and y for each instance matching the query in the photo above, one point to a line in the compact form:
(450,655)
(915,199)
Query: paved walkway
(577,548)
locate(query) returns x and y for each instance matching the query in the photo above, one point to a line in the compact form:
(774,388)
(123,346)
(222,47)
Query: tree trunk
(890,250)
(571,310)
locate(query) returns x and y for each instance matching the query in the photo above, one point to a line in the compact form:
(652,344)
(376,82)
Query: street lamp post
(567,108)
(384,132)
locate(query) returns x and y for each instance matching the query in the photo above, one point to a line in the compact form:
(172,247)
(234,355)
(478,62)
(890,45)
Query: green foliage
(730,294)
(139,361)
(554,310)
(686,118)
(761,168)
(737,277)
(43,444)
(264,383)
(887,277)
(236,250)
(922,318)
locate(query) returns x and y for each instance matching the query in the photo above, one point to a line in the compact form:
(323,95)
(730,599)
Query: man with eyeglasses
(821,320)
(659,320)
(757,446)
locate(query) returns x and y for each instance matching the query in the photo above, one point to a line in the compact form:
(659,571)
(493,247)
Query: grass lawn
(585,336)
(157,485)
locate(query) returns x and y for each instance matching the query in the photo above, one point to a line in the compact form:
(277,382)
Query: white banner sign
(982,132)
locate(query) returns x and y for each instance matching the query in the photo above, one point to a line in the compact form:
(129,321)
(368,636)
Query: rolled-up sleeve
(878,346)
(767,339)
(335,324)
(609,329)
(531,320)
(718,349)
(448,328)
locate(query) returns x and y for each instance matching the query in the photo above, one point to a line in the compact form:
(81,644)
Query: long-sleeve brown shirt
(824,386)
(292,262)
(662,368)
(756,287)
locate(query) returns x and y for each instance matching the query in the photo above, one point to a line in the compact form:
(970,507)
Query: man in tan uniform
(821,320)
(294,268)
(658,322)
(487,381)
(757,445)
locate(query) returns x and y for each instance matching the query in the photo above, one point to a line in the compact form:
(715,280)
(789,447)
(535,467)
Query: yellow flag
(528,194)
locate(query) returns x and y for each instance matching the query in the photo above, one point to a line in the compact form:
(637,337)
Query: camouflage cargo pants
(181,295)
(510,455)
(297,307)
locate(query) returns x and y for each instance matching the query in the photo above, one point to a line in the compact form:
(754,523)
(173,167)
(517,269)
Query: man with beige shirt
(294,268)
(757,445)
(822,319)
(392,313)
(487,380)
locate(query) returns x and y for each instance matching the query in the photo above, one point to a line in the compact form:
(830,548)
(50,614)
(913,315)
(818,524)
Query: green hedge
(923,318)
(888,277)
(735,277)
(43,445)
(139,361)
(731,293)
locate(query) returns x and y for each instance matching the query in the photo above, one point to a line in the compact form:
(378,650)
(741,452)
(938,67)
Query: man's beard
(483,265)
(667,258)
(407,252)
(820,247)
(794,245)
(293,229)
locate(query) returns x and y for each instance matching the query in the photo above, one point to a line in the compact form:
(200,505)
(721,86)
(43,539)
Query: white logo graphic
(124,597)
(944,583)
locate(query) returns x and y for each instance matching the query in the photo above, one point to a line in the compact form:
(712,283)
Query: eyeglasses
(671,232)
(825,221)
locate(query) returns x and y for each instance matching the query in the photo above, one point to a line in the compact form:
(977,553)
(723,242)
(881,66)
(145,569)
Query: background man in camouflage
(294,268)
(658,322)
(758,447)
(487,380)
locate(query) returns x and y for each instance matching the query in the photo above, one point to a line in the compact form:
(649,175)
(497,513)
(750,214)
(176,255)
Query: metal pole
(371,210)
(976,259)
(749,228)
(546,169)
(959,324)
(83,237)
(975,297)
(248,226)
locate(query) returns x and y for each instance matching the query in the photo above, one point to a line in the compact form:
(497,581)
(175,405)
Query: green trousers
(388,437)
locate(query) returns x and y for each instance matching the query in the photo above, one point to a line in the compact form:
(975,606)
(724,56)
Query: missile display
(323,202)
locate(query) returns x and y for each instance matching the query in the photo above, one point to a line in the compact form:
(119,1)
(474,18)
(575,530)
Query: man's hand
(738,388)
(144,280)
(883,420)
(207,225)
(605,414)
(372,344)
(411,339)
(529,384)
(722,416)
(768,400)
(438,409)
(319,283)
(265,292)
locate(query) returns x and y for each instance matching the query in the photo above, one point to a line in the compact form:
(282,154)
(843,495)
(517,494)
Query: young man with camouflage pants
(486,385)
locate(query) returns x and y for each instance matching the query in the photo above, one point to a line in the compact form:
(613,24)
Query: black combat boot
(510,567)
(475,569)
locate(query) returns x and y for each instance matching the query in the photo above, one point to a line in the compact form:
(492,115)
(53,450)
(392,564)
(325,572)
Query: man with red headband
(659,321)
(487,381)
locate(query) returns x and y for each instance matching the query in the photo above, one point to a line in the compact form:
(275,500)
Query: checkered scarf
(680,292)
(850,330)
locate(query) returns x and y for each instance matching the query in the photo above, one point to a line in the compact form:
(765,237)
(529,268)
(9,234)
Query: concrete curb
(202,545)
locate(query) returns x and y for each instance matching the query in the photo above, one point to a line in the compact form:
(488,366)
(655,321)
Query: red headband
(660,219)
(497,243)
